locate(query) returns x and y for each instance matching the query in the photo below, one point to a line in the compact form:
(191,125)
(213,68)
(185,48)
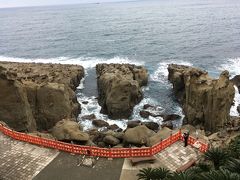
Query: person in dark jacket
(185,136)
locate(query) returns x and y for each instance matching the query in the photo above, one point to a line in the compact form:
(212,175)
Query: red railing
(101,152)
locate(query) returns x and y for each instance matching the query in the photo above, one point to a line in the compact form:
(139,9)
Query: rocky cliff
(37,96)
(205,101)
(119,88)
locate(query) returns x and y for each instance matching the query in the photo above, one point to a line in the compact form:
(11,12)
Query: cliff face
(205,101)
(119,88)
(36,96)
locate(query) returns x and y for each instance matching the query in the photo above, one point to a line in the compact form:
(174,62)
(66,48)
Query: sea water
(204,34)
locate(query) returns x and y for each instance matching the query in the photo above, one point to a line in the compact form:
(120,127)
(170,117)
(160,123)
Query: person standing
(186,136)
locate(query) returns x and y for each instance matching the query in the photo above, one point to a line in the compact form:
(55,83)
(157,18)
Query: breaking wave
(86,62)
(161,74)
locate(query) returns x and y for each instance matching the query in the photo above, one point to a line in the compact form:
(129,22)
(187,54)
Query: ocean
(152,33)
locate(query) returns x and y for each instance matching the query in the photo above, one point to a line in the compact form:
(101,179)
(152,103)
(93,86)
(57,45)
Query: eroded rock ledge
(119,88)
(205,101)
(37,96)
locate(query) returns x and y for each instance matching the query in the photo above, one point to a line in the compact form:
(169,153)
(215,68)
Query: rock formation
(119,88)
(236,81)
(205,101)
(138,135)
(68,130)
(164,133)
(37,96)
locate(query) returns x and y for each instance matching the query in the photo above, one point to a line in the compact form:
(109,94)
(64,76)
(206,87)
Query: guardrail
(101,152)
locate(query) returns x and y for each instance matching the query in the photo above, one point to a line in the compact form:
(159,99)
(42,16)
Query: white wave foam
(233,110)
(86,62)
(232,65)
(92,107)
(160,75)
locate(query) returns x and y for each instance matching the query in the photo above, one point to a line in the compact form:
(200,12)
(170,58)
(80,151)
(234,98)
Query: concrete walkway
(171,158)
(20,160)
(64,167)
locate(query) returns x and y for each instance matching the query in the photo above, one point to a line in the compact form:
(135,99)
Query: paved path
(171,158)
(64,167)
(20,160)
(176,155)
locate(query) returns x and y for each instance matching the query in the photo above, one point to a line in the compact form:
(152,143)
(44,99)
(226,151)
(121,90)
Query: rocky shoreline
(36,98)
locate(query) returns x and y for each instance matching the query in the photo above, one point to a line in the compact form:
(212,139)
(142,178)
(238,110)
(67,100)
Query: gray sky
(19,3)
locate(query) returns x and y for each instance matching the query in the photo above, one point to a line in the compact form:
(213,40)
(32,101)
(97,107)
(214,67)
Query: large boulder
(119,88)
(111,140)
(14,106)
(100,123)
(205,101)
(68,130)
(151,125)
(36,96)
(138,135)
(159,136)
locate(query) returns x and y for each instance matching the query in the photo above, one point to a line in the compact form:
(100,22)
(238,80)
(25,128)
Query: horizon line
(51,5)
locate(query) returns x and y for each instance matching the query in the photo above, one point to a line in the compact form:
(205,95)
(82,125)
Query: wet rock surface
(100,123)
(205,101)
(236,81)
(36,96)
(119,88)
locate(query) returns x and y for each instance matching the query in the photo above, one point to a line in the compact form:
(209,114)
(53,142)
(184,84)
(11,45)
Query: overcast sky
(20,3)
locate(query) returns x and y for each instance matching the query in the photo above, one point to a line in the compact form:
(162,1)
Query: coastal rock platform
(35,96)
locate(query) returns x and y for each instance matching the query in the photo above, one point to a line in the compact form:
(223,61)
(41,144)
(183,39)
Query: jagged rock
(97,137)
(113,127)
(236,81)
(118,135)
(119,88)
(139,135)
(132,124)
(235,121)
(238,109)
(36,96)
(149,110)
(85,102)
(146,106)
(160,135)
(168,124)
(69,130)
(111,140)
(144,114)
(100,123)
(151,125)
(89,117)
(171,117)
(205,101)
